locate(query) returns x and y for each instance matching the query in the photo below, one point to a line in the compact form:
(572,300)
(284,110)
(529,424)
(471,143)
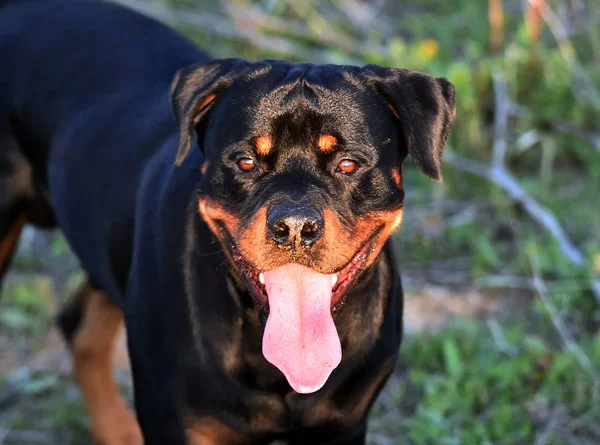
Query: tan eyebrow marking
(264,145)
(327,142)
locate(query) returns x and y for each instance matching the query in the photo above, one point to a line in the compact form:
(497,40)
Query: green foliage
(28,305)
(46,404)
(463,388)
(59,246)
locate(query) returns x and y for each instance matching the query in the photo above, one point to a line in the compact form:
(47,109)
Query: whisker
(210,253)
(219,266)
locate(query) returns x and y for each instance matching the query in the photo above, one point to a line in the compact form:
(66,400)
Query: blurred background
(501,262)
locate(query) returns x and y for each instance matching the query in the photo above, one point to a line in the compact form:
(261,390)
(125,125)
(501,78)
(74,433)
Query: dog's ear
(424,105)
(195,89)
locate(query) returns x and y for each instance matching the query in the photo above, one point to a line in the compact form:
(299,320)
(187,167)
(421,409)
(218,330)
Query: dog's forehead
(327,98)
(321,87)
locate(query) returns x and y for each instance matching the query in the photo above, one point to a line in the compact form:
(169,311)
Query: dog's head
(303,184)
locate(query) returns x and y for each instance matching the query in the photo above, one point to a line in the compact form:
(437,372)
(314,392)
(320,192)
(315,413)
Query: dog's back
(50,92)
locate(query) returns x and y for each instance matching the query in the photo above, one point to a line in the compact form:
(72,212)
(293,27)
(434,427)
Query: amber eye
(347,166)
(246,164)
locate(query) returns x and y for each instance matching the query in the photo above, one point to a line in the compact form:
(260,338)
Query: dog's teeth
(261,278)
(334,279)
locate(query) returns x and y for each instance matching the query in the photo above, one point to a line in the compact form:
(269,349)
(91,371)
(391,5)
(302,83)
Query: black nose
(294,224)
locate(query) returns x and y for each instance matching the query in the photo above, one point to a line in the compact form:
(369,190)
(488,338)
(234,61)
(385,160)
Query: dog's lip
(349,273)
(252,276)
(342,279)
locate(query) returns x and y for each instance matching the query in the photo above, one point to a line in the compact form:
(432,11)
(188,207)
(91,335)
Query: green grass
(462,387)
(28,305)
(43,408)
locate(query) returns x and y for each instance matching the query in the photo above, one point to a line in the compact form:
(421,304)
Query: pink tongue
(300,338)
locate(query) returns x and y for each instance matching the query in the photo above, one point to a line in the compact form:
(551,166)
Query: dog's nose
(294,224)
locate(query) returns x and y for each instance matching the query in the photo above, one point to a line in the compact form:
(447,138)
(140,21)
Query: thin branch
(502,110)
(543,438)
(559,125)
(217,24)
(538,212)
(503,179)
(498,174)
(249,25)
(586,420)
(519,282)
(563,331)
(162,12)
(589,136)
(504,282)
(499,338)
(327,36)
(3,435)
(596,289)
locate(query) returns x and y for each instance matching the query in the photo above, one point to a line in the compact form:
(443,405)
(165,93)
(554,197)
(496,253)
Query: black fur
(84,98)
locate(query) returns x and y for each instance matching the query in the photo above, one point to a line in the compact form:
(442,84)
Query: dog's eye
(347,166)
(246,164)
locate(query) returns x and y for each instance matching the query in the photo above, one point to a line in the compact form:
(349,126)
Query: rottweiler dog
(236,215)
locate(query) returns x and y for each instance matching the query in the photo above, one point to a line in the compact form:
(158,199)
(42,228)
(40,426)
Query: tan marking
(336,247)
(393,110)
(359,409)
(212,212)
(207,101)
(112,421)
(9,242)
(324,412)
(388,221)
(212,225)
(327,142)
(264,145)
(210,431)
(204,168)
(253,241)
(397,177)
(342,244)
(22,179)
(334,250)
(231,350)
(354,408)
(338,242)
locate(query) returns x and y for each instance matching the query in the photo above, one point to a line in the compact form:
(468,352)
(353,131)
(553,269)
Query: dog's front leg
(155,370)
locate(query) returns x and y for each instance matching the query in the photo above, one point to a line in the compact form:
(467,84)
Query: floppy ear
(424,105)
(194,90)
